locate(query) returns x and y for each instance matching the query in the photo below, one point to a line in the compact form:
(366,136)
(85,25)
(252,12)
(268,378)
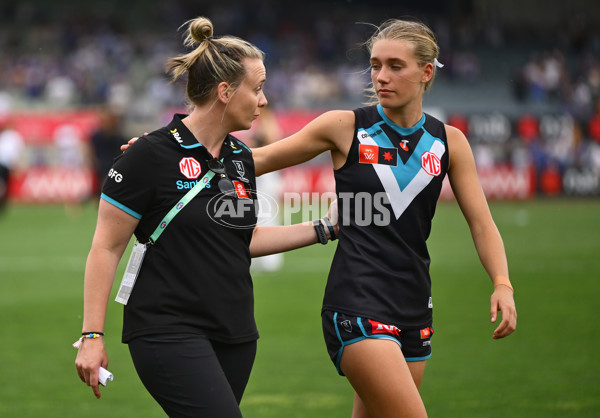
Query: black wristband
(320,229)
(330,227)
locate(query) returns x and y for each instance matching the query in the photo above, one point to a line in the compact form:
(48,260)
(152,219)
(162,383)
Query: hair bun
(199,29)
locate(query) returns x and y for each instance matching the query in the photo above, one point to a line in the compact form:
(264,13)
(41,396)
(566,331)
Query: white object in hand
(104,376)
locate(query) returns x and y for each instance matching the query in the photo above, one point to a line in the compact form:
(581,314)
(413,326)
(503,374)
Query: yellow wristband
(502,280)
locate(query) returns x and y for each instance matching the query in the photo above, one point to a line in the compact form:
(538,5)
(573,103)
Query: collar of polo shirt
(182,135)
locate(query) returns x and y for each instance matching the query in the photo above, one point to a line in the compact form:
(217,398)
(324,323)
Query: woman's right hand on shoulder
(130,142)
(91,355)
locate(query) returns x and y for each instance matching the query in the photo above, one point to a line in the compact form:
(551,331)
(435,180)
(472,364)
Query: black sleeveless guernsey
(387,193)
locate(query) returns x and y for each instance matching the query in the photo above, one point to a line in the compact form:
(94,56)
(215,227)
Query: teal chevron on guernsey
(402,182)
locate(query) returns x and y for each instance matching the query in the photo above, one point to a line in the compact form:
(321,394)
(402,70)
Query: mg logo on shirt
(190,167)
(431,163)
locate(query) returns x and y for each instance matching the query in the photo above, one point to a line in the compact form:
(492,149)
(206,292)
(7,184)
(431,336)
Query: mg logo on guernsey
(431,163)
(190,168)
(379,328)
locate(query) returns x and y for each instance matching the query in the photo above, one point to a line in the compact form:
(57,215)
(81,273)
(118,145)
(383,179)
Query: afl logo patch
(190,167)
(368,154)
(373,154)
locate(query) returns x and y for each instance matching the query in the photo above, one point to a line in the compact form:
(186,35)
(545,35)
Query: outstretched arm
(463,178)
(277,239)
(113,231)
(331,131)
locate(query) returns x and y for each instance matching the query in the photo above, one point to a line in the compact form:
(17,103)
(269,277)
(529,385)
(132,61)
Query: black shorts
(341,330)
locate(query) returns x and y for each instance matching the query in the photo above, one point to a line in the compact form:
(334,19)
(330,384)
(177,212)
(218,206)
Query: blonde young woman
(390,159)
(189,316)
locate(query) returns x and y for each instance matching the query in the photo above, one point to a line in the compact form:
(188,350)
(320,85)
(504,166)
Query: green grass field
(549,368)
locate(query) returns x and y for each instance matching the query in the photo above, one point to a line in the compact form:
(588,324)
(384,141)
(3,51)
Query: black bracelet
(321,235)
(330,227)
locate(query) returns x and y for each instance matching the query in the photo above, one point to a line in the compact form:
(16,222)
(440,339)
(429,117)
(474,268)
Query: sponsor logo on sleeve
(115,175)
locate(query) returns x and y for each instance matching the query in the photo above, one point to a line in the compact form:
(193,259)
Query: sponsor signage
(40,177)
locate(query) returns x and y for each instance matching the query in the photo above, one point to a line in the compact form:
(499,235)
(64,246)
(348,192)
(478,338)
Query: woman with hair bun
(186,191)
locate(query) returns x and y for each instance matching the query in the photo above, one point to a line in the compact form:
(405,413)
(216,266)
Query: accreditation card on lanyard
(139,250)
(131,272)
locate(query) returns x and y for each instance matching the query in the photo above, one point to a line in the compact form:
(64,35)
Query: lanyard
(181,204)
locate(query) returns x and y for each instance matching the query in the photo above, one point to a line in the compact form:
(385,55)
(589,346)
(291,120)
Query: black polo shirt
(196,277)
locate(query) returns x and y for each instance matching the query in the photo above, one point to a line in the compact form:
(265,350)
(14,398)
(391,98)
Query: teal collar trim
(402,131)
(191,146)
(182,135)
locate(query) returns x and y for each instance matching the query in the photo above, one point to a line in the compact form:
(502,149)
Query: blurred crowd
(572,83)
(86,59)
(114,53)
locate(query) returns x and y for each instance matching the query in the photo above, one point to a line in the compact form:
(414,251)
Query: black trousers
(191,376)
